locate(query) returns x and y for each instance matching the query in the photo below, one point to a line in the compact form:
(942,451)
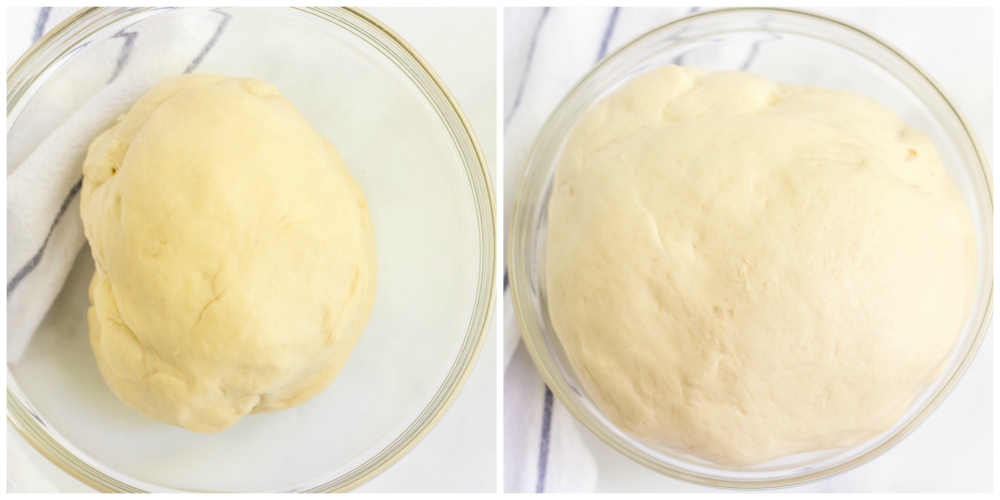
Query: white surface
(459,454)
(952,450)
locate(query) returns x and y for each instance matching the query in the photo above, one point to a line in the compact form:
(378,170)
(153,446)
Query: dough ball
(235,255)
(740,270)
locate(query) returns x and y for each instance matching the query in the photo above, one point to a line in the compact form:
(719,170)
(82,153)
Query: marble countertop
(547,50)
(460,453)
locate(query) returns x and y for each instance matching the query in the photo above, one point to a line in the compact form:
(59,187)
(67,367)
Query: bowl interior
(429,230)
(784,46)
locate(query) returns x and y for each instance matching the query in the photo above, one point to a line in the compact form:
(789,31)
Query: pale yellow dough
(235,255)
(741,270)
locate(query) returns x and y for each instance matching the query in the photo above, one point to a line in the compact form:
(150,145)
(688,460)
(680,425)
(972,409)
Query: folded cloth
(546,51)
(49,142)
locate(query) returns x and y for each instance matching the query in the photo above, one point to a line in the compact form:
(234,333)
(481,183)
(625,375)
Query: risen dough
(742,270)
(235,255)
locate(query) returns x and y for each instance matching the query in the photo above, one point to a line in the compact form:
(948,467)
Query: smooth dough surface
(742,270)
(235,255)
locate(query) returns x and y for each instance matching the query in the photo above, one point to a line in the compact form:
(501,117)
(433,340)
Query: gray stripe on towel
(38,255)
(43,18)
(126,51)
(215,37)
(543,452)
(607,34)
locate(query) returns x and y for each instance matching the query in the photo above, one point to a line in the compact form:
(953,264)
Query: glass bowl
(404,139)
(785,46)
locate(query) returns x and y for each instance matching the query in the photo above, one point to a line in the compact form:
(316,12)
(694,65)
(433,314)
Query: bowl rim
(22,418)
(519,271)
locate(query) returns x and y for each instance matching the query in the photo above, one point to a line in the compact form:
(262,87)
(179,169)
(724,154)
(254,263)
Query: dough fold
(234,252)
(741,270)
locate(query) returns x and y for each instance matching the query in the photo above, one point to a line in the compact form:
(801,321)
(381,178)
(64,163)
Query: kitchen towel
(546,50)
